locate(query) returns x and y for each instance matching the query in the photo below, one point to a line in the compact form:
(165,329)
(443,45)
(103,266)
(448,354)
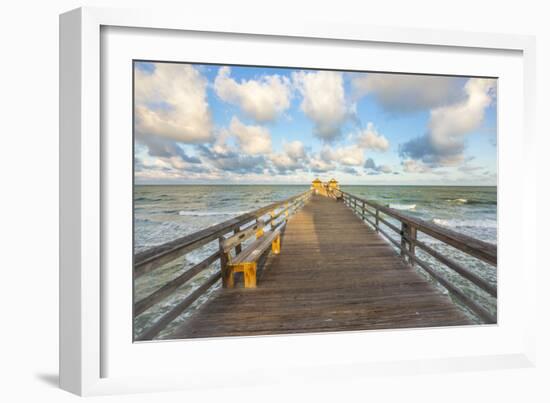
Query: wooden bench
(246,261)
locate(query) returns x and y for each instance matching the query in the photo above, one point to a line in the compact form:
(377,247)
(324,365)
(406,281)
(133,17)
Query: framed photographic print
(224,161)
(321,197)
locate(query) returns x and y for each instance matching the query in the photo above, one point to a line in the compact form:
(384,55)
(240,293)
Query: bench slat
(243,235)
(258,247)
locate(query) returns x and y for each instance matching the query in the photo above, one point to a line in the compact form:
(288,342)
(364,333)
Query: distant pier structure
(322,260)
(329,189)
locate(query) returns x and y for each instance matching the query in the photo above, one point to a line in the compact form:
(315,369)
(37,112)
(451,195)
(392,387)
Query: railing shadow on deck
(377,215)
(150,260)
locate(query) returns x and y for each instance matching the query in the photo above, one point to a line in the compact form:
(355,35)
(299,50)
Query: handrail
(156,257)
(483,251)
(168,288)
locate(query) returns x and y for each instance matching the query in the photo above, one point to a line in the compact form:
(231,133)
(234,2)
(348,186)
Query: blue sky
(237,124)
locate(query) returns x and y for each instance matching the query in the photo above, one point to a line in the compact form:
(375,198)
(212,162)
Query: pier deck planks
(334,273)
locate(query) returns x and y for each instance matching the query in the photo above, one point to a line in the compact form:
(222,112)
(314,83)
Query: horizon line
(299,184)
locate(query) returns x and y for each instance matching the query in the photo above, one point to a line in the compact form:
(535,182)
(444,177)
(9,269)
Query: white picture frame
(85,344)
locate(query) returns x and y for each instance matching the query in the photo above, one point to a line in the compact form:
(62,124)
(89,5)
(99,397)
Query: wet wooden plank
(334,273)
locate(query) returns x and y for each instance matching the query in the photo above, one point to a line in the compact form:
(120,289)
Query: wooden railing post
(224,259)
(404,234)
(377,218)
(363,210)
(412,244)
(238,248)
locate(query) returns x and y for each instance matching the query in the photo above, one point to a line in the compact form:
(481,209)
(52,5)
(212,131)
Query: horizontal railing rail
(156,257)
(374,214)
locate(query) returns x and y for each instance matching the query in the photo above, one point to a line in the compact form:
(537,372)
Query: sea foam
(465,223)
(210,213)
(403,206)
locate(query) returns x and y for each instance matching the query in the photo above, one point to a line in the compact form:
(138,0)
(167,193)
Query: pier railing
(154,258)
(376,215)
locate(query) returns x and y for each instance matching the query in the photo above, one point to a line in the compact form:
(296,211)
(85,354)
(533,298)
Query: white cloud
(317,164)
(293,157)
(406,93)
(177,163)
(371,139)
(283,162)
(323,101)
(171,102)
(295,149)
(253,140)
(414,166)
(348,155)
(449,124)
(220,145)
(372,167)
(385,169)
(166,165)
(444,143)
(263,99)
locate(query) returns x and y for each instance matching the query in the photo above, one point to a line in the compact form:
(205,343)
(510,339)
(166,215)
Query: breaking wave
(403,206)
(465,223)
(210,213)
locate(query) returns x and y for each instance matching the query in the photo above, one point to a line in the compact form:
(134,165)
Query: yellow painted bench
(246,261)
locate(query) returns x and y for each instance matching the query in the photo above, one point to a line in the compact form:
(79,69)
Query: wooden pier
(336,270)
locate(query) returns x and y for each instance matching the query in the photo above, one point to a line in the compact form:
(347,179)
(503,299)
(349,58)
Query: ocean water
(470,210)
(164,213)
